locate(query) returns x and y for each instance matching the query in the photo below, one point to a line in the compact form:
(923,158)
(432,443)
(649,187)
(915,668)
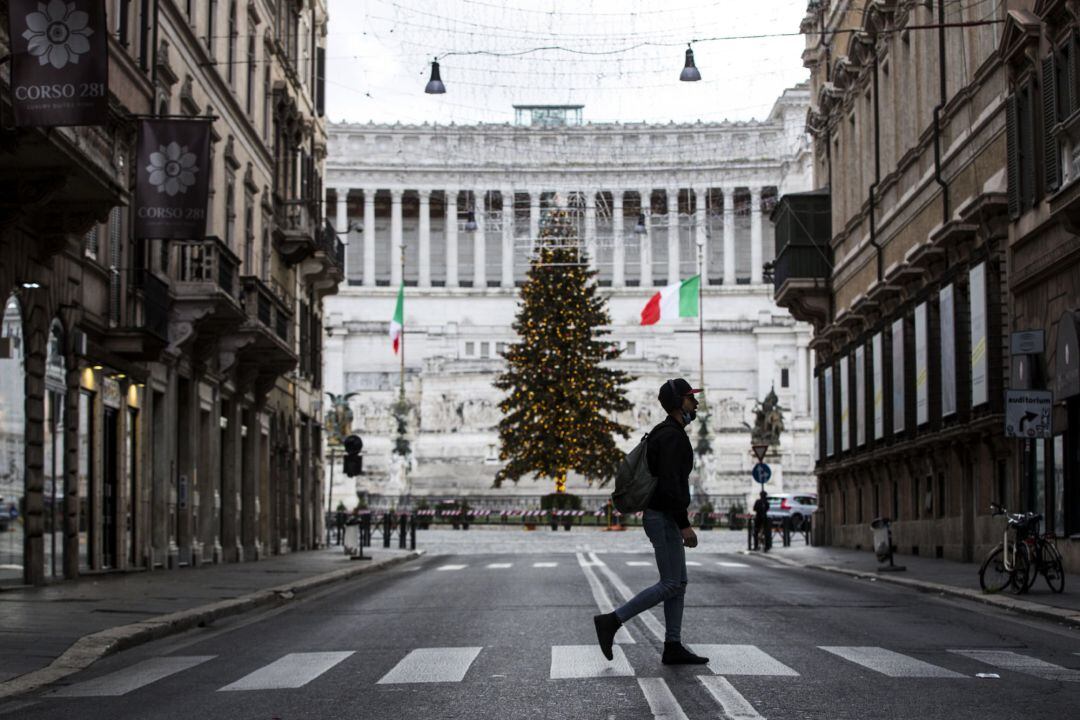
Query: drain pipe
(877,168)
(945,210)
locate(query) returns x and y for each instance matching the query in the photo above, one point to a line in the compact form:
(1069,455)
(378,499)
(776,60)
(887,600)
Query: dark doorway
(109,487)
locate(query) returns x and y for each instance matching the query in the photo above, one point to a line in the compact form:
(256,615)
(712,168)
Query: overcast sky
(622,58)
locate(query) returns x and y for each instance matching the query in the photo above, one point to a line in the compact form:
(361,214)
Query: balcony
(804,262)
(325,269)
(205,285)
(147,332)
(266,335)
(295,229)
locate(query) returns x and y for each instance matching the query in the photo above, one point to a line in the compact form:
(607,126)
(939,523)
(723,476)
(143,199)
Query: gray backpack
(634,484)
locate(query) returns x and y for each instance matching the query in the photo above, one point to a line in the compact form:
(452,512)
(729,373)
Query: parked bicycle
(1009,564)
(1044,558)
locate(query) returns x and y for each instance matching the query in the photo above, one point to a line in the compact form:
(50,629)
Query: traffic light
(354,461)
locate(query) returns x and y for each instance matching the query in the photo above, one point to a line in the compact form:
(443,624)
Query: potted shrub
(734,520)
(423,521)
(705,511)
(560,501)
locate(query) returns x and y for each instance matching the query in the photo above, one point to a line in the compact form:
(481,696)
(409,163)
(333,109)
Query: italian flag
(397,324)
(674,301)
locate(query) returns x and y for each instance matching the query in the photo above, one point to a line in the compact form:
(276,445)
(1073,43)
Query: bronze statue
(768,420)
(339,418)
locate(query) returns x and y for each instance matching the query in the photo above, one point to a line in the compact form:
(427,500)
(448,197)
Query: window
(230,209)
(90,243)
(785,379)
(115,262)
(470,349)
(249,102)
(264,259)
(144,36)
(485,349)
(267,102)
(210,13)
(249,233)
(231,70)
(500,348)
(1020,148)
(122,10)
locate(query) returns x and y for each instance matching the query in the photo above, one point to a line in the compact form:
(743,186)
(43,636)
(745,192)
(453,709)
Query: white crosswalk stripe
(451,567)
(603,601)
(735,706)
(693,563)
(500,566)
(728,564)
(131,678)
(638,563)
(742,660)
(545,564)
(1008,660)
(586,661)
(425,665)
(889,663)
(661,701)
(646,617)
(289,671)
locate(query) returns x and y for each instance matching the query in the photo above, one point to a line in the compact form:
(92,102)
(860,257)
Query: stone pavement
(52,631)
(946,577)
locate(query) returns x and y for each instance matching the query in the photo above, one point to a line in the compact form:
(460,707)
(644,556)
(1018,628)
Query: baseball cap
(672,390)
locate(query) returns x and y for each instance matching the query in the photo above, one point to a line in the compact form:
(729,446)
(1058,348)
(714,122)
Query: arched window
(250,99)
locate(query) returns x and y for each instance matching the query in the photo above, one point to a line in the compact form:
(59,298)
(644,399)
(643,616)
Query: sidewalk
(52,631)
(946,577)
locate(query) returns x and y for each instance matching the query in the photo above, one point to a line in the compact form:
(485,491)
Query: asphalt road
(510,636)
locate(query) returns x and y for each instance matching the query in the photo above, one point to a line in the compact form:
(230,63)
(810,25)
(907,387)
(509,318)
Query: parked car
(797,507)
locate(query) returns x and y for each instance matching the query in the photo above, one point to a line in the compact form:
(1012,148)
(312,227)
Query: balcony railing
(803,230)
(155,303)
(295,229)
(204,262)
(331,244)
(268,309)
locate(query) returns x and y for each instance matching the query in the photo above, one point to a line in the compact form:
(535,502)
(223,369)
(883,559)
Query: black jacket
(671,458)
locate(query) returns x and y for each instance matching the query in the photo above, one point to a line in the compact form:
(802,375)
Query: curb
(91,648)
(1024,607)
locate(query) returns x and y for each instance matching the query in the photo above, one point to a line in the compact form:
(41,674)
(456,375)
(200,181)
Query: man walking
(670,458)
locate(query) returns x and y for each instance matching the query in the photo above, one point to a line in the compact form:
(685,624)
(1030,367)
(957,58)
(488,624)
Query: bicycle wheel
(1024,569)
(1053,570)
(993,577)
(1036,563)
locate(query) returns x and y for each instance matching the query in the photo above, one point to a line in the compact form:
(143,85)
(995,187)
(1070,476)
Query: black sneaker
(606,627)
(676,654)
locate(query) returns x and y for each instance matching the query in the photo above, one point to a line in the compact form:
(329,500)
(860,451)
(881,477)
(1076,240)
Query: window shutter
(1012,153)
(320,81)
(1051,154)
(114,266)
(1027,145)
(1072,76)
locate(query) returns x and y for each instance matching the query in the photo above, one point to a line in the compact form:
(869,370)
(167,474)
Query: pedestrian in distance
(761,521)
(670,458)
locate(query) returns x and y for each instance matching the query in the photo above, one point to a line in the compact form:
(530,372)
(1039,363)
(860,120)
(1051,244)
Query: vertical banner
(898,375)
(845,415)
(860,396)
(59,62)
(977,286)
(829,411)
(922,367)
(879,387)
(814,399)
(947,312)
(173,179)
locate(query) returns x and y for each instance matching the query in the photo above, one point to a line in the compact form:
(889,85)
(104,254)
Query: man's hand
(689,538)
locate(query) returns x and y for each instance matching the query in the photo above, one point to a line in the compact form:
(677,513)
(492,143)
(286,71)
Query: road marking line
(735,706)
(638,563)
(545,564)
(889,663)
(500,566)
(425,665)
(742,660)
(727,564)
(601,597)
(647,617)
(663,704)
(693,563)
(451,567)
(121,682)
(1008,660)
(289,671)
(586,661)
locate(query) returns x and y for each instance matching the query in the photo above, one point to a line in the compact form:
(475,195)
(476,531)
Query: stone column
(451,237)
(645,241)
(729,236)
(395,238)
(369,237)
(755,236)
(507,280)
(590,227)
(802,378)
(425,238)
(341,221)
(534,216)
(479,241)
(700,236)
(618,271)
(673,236)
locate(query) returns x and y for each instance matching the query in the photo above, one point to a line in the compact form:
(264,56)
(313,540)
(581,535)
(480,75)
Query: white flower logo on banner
(57,33)
(172,169)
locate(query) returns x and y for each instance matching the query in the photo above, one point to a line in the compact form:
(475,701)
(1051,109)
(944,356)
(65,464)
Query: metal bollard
(402,522)
(750,536)
(387,528)
(412,533)
(785,528)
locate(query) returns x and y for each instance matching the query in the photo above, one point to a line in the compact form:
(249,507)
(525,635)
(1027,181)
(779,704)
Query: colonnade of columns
(506,279)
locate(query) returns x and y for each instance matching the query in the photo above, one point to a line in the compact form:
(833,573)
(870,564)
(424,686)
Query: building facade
(454,211)
(940,229)
(161,400)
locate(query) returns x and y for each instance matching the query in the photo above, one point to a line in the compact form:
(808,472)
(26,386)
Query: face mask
(688,417)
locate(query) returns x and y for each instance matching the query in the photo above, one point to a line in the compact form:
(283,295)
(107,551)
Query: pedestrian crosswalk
(453,665)
(550,564)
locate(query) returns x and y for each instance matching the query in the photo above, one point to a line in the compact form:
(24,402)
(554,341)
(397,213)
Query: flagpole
(401,384)
(701,316)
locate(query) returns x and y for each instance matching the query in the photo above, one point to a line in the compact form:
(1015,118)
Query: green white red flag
(674,301)
(397,324)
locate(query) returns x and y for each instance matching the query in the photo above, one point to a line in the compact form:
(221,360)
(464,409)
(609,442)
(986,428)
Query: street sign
(761,473)
(1027,413)
(759,451)
(1027,342)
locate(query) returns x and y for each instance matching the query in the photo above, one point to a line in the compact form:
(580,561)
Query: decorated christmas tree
(561,396)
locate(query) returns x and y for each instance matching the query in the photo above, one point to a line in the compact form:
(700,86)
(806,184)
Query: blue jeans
(671,562)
